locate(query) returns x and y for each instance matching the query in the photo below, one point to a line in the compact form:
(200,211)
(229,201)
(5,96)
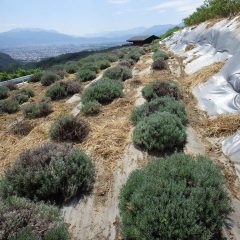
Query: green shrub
(71,87)
(33,110)
(91,108)
(49,78)
(21,219)
(155,46)
(103,64)
(3,92)
(56,92)
(162,104)
(89,65)
(160,54)
(177,197)
(134,55)
(26,91)
(159,64)
(160,89)
(170,32)
(20,98)
(51,172)
(9,106)
(69,128)
(121,73)
(85,75)
(103,91)
(36,77)
(71,68)
(162,132)
(127,63)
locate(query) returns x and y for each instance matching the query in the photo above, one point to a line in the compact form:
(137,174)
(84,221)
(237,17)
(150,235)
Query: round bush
(51,172)
(162,104)
(85,75)
(21,219)
(49,78)
(9,106)
(161,89)
(20,98)
(120,73)
(26,91)
(3,92)
(36,77)
(127,63)
(33,110)
(176,197)
(71,87)
(103,64)
(71,68)
(162,132)
(91,108)
(160,54)
(21,128)
(69,128)
(159,64)
(134,55)
(56,92)
(103,91)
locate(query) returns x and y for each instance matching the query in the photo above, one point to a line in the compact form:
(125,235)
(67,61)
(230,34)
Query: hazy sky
(81,17)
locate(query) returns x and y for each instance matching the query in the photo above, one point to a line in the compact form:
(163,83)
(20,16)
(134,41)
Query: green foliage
(9,106)
(3,92)
(21,219)
(49,78)
(20,98)
(161,131)
(103,64)
(36,77)
(69,128)
(51,172)
(212,9)
(26,91)
(56,92)
(160,89)
(120,73)
(134,55)
(71,68)
(177,197)
(86,75)
(170,32)
(155,45)
(91,108)
(127,62)
(103,91)
(71,87)
(160,54)
(33,110)
(162,104)
(7,63)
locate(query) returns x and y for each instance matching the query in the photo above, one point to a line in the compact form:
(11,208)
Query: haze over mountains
(40,37)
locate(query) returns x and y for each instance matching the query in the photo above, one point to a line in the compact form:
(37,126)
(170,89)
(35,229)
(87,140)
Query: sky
(81,17)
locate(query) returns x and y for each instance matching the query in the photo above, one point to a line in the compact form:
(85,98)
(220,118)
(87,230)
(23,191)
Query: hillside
(7,63)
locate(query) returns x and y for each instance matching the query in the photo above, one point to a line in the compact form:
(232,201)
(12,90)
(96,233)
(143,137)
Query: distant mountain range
(40,37)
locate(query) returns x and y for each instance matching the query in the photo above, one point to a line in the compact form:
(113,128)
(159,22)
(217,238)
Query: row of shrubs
(160,122)
(178,196)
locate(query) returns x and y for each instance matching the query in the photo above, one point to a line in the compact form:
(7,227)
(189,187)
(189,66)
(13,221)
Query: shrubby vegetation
(91,108)
(155,45)
(161,89)
(20,72)
(120,73)
(33,110)
(212,9)
(161,131)
(134,54)
(160,54)
(21,219)
(103,64)
(127,62)
(49,78)
(159,64)
(3,92)
(26,91)
(103,91)
(9,106)
(71,67)
(21,128)
(62,89)
(86,75)
(69,128)
(162,104)
(176,197)
(50,172)
(170,32)
(36,77)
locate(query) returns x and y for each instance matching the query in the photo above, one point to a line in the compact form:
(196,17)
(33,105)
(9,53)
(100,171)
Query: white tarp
(221,94)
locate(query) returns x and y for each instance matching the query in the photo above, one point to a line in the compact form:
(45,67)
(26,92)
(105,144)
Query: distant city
(37,53)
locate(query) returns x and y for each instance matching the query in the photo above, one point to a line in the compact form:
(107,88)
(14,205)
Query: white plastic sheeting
(221,94)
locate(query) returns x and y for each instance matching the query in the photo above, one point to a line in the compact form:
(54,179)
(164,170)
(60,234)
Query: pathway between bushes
(109,143)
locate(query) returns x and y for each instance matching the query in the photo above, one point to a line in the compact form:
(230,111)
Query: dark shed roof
(141,38)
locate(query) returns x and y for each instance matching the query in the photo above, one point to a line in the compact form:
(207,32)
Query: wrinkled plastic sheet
(231,148)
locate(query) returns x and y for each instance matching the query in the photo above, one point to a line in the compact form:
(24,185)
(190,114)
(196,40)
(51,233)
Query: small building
(141,40)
